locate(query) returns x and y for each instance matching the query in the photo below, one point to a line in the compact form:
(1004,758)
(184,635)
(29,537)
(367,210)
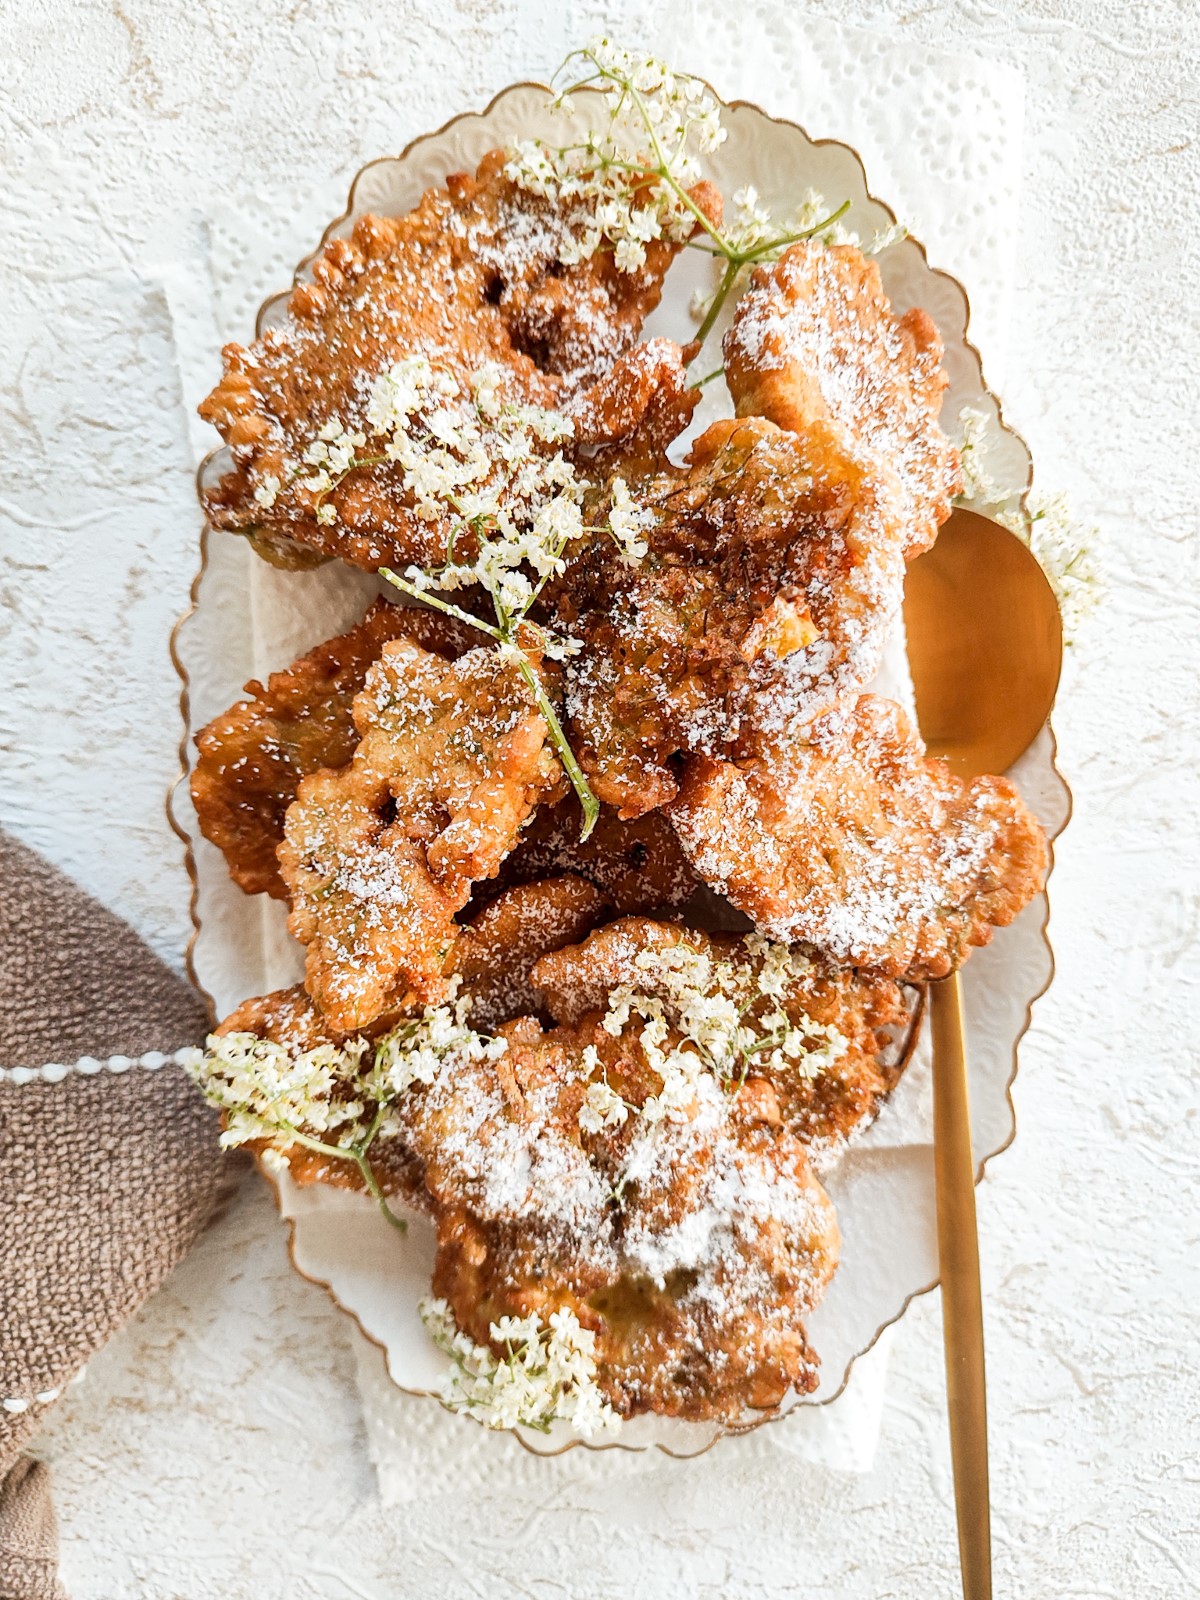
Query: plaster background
(216,1447)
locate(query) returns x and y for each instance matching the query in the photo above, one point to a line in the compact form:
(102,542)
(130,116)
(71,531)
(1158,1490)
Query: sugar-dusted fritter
(496,951)
(630,417)
(815,339)
(773,573)
(825,1095)
(480,272)
(379,856)
(691,1245)
(856,844)
(638,865)
(253,756)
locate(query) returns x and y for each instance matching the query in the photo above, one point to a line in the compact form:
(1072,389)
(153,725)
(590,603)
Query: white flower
(628,522)
(713,1011)
(267,491)
(658,123)
(629,255)
(602,1108)
(480,463)
(884,238)
(642,223)
(978,484)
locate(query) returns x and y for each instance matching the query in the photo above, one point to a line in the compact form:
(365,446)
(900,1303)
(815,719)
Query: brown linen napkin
(105,1179)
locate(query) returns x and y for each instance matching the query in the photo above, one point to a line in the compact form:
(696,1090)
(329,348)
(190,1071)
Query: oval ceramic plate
(249,619)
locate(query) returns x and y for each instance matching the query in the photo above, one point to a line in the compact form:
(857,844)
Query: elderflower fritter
(548,1373)
(490,468)
(1064,549)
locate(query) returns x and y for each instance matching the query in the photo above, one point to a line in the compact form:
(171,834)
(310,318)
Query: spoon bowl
(985,645)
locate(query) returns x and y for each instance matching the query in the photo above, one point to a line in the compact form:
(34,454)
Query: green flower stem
(359,1157)
(430,599)
(781,243)
(504,637)
(591,806)
(357,1153)
(735,260)
(732,268)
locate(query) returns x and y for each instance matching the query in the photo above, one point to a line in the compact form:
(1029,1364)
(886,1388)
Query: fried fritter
(630,417)
(639,865)
(495,952)
(691,1246)
(773,575)
(823,1099)
(814,339)
(858,845)
(379,856)
(253,756)
(473,275)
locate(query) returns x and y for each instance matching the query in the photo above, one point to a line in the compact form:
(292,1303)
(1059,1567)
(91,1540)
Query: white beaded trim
(88,1066)
(14,1407)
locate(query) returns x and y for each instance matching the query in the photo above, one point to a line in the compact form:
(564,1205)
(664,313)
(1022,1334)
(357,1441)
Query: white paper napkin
(940,139)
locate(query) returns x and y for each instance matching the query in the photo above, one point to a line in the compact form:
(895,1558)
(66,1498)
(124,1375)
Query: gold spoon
(985,649)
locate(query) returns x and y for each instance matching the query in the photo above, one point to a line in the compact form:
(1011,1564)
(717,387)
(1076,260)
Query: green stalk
(359,1157)
(591,806)
(430,599)
(358,1154)
(728,277)
(781,243)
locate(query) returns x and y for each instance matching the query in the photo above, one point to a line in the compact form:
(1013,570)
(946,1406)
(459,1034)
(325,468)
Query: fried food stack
(398,787)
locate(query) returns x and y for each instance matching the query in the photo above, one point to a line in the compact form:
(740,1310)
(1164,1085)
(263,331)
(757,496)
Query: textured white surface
(217,1448)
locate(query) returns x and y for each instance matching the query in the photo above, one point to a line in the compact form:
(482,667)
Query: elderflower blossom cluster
(624,185)
(628,523)
(267,1090)
(416,1051)
(754,226)
(548,1373)
(714,1010)
(1064,550)
(270,1091)
(491,466)
(602,1107)
(267,491)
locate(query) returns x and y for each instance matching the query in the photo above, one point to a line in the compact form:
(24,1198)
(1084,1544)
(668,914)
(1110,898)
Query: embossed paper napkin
(940,138)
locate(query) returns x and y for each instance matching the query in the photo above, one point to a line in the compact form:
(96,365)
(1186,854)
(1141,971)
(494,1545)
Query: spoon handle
(962,1305)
